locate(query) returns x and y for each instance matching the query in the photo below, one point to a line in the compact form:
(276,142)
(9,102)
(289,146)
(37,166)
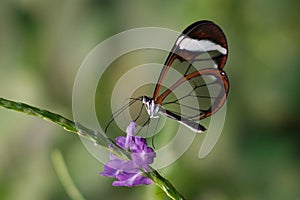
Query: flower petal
(130,180)
(129,172)
(131,129)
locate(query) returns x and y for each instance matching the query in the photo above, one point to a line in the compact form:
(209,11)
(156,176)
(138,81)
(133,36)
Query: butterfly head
(151,107)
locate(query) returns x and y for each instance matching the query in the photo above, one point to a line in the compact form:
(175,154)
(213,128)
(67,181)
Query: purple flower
(130,172)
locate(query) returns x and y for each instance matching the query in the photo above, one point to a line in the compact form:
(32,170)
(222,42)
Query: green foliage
(42,44)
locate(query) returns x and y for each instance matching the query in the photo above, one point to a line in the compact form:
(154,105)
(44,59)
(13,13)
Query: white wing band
(199,45)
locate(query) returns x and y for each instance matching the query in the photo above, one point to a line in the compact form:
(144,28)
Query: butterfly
(199,55)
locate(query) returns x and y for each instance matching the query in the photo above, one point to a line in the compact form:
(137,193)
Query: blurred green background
(42,44)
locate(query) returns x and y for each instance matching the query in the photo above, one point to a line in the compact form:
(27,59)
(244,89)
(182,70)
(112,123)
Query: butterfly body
(199,55)
(203,42)
(151,107)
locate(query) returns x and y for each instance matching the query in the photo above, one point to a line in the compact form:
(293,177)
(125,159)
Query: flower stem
(165,185)
(67,124)
(97,137)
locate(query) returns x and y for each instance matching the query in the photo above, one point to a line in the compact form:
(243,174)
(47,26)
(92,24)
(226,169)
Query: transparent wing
(201,45)
(197,95)
(193,73)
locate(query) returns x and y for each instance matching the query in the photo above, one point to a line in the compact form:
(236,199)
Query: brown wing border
(220,99)
(199,30)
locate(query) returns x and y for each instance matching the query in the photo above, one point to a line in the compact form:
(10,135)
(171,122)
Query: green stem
(97,137)
(64,176)
(165,185)
(67,124)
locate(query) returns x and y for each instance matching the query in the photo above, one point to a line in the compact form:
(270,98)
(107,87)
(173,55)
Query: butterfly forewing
(210,37)
(198,55)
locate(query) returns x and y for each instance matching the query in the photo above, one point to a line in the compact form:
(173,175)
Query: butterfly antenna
(119,111)
(140,113)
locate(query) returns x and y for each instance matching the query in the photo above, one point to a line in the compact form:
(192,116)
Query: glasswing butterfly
(199,55)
